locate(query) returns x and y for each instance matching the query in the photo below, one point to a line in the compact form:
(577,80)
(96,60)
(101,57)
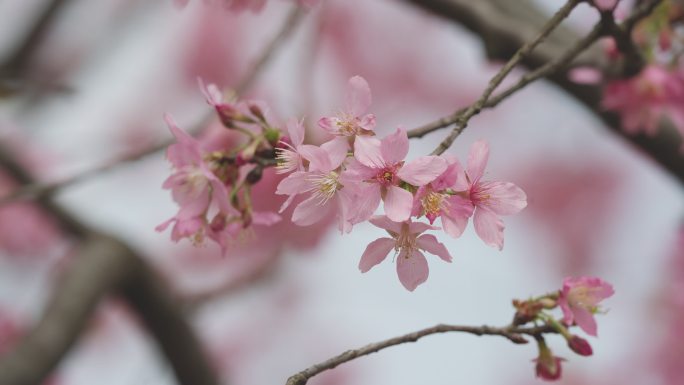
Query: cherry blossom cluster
(657,91)
(579,300)
(213,187)
(348,177)
(356,172)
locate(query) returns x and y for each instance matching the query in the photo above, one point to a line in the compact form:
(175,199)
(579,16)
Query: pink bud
(580,346)
(548,366)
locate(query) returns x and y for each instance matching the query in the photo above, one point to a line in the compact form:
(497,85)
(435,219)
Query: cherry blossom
(579,299)
(438,199)
(491,199)
(193,186)
(644,99)
(353,120)
(323,182)
(380,164)
(407,242)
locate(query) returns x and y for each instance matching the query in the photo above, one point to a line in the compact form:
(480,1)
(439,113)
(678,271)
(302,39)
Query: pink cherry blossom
(644,99)
(380,165)
(491,199)
(323,182)
(193,186)
(288,157)
(407,242)
(438,199)
(579,299)
(353,120)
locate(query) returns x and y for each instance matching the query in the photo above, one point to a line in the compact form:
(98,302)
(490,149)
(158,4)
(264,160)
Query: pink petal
(358,96)
(450,176)
(194,207)
(477,160)
(375,253)
(489,227)
(429,243)
(328,124)
(265,218)
(455,217)
(585,320)
(394,147)
(366,198)
(337,150)
(219,196)
(357,171)
(398,204)
(412,269)
(295,129)
(367,122)
(164,225)
(416,228)
(295,183)
(309,212)
(367,151)
(505,198)
(605,5)
(423,170)
(318,158)
(383,222)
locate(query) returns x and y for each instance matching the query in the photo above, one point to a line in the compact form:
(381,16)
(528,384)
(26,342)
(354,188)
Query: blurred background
(94,88)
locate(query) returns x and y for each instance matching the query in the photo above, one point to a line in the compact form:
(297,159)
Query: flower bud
(548,366)
(580,346)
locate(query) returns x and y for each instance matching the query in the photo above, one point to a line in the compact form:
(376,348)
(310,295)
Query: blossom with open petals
(407,242)
(194,187)
(353,120)
(579,299)
(644,99)
(380,165)
(324,184)
(437,199)
(490,199)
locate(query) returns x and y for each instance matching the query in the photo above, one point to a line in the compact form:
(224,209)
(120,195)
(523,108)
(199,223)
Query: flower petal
(505,198)
(309,212)
(394,147)
(489,227)
(412,269)
(358,96)
(295,129)
(423,170)
(383,222)
(429,243)
(375,253)
(318,158)
(337,150)
(585,320)
(367,151)
(477,160)
(455,216)
(398,204)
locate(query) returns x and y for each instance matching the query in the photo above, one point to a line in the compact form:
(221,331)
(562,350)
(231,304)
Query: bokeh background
(96,88)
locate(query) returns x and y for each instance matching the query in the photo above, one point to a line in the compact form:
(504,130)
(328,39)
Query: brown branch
(38,190)
(21,54)
(505,25)
(102,265)
(526,49)
(513,334)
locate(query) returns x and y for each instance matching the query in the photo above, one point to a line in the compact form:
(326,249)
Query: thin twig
(38,190)
(475,108)
(561,62)
(513,334)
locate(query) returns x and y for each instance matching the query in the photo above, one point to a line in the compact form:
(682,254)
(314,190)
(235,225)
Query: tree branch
(38,190)
(513,334)
(102,265)
(504,25)
(475,108)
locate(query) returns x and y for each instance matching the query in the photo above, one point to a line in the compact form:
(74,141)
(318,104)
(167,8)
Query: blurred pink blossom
(579,299)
